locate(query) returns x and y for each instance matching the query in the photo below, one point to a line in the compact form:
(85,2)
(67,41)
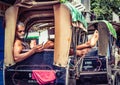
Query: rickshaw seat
(93,52)
(38,62)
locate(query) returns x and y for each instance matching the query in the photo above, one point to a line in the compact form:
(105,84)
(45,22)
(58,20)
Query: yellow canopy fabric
(10,19)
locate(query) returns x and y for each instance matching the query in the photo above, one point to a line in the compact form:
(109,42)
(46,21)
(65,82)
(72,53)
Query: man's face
(20,31)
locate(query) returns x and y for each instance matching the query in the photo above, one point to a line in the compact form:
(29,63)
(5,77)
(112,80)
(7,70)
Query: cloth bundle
(44,76)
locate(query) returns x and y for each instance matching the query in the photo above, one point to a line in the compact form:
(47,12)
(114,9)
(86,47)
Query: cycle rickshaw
(99,65)
(37,16)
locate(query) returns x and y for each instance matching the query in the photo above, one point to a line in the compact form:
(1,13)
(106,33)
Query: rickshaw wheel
(117,78)
(71,78)
(72,81)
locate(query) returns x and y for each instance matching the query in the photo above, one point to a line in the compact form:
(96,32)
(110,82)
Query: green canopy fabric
(76,15)
(111,29)
(32,37)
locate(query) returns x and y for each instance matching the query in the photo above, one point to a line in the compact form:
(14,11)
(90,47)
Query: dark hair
(20,23)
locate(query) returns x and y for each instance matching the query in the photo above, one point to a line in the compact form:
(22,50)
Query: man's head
(20,30)
(33,43)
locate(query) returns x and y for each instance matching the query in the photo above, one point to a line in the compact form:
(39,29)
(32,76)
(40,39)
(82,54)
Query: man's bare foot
(94,39)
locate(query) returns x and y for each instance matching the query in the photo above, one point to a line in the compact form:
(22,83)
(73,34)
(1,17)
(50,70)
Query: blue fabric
(1,49)
(1,78)
(1,34)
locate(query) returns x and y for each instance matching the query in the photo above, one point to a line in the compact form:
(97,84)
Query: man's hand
(38,48)
(48,45)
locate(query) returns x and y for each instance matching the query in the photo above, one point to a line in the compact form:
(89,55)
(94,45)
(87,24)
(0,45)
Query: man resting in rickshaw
(19,45)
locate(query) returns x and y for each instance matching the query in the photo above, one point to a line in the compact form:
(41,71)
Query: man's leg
(83,46)
(80,52)
(81,49)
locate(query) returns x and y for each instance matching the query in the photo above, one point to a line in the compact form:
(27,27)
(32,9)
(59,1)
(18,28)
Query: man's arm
(18,56)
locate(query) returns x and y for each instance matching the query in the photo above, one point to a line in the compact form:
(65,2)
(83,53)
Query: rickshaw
(99,65)
(56,17)
(116,25)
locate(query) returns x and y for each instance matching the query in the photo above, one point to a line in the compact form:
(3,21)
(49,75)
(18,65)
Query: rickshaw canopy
(109,26)
(76,15)
(106,32)
(111,29)
(33,12)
